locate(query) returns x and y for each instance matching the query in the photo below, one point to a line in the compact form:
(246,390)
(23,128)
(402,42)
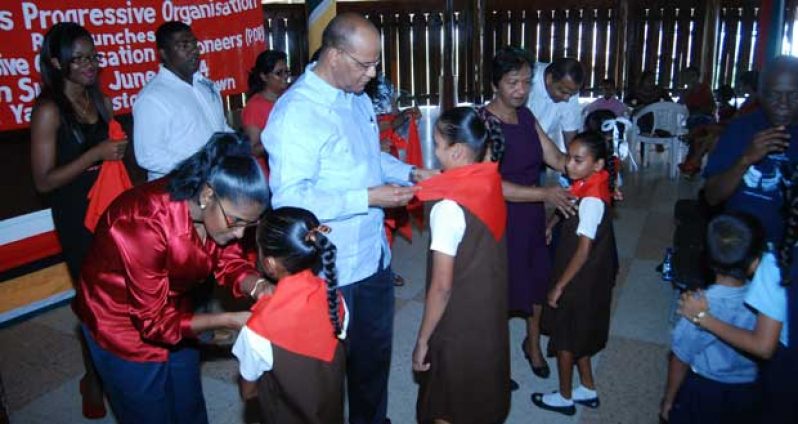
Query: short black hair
(508,59)
(734,242)
(163,35)
(566,67)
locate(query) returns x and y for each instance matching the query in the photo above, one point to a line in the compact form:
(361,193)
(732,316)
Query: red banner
(230,34)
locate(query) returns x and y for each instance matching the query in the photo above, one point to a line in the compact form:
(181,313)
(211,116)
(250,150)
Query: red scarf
(596,185)
(111,182)
(476,187)
(296,317)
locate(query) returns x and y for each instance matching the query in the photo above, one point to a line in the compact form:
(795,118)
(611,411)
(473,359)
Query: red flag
(111,182)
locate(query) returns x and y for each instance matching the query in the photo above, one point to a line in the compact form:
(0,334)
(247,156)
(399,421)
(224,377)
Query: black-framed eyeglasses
(364,65)
(237,222)
(85,60)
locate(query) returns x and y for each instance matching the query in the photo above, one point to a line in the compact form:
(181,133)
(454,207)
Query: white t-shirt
(447,227)
(767,295)
(553,117)
(591,210)
(173,119)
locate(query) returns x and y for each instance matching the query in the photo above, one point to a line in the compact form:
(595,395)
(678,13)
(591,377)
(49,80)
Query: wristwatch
(698,317)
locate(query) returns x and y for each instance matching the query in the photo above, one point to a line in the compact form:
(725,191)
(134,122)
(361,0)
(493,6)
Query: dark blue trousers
(369,337)
(779,375)
(152,392)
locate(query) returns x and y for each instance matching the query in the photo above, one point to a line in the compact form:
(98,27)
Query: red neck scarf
(596,185)
(476,187)
(296,317)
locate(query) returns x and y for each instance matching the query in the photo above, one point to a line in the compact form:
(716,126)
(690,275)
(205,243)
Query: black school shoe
(537,399)
(541,371)
(590,403)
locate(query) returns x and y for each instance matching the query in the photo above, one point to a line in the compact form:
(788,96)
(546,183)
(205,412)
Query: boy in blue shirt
(709,380)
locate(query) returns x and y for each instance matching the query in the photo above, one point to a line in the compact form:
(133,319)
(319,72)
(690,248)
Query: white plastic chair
(668,116)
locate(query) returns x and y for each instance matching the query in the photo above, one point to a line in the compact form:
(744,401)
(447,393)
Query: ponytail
(226,164)
(495,134)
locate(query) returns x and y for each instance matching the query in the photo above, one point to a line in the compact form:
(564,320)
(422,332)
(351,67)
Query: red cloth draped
(596,185)
(296,317)
(111,181)
(476,187)
(398,219)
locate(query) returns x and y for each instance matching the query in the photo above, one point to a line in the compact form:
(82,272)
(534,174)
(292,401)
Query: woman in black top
(69,140)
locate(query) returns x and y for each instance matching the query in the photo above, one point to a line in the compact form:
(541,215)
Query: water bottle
(667,266)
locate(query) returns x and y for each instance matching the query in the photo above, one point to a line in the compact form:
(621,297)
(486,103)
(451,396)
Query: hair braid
(495,134)
(611,166)
(327,252)
(791,230)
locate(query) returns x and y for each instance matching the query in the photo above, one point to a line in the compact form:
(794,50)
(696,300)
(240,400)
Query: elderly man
(554,99)
(178,110)
(324,155)
(755,156)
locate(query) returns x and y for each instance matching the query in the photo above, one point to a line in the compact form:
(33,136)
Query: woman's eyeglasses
(237,222)
(85,60)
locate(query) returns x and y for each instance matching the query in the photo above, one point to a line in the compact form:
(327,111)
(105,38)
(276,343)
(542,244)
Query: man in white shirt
(324,156)
(554,99)
(178,110)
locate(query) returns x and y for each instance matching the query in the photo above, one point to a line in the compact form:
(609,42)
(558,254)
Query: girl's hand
(617,195)
(691,303)
(110,150)
(554,295)
(420,356)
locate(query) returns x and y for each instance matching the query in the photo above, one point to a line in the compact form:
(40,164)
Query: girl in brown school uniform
(290,352)
(577,315)
(462,352)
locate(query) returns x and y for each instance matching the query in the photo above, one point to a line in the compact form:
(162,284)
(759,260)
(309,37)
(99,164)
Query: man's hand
(766,142)
(390,196)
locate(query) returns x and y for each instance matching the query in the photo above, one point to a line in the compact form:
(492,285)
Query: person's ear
(205,196)
(56,64)
(598,165)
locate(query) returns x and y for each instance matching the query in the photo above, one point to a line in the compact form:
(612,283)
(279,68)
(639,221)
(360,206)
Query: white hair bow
(619,143)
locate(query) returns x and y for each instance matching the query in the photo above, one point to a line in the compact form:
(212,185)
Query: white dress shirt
(173,119)
(324,154)
(553,117)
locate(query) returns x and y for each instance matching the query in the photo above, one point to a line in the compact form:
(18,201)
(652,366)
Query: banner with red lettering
(230,34)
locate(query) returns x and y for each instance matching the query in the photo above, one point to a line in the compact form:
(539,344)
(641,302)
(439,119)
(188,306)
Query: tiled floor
(40,358)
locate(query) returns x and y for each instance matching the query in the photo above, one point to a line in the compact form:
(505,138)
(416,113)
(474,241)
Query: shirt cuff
(185,326)
(357,201)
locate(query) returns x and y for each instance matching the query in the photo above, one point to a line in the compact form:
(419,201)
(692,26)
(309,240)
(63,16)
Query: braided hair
(595,143)
(495,134)
(791,227)
(291,236)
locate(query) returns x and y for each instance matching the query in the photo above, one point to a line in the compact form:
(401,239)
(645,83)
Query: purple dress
(529,265)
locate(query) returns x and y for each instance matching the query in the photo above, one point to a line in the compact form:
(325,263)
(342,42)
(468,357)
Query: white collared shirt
(324,154)
(554,117)
(173,119)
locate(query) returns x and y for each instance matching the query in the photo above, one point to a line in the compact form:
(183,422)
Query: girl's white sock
(556,399)
(583,393)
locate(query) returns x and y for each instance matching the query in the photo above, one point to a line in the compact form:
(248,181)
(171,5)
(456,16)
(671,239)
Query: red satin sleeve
(232,268)
(142,246)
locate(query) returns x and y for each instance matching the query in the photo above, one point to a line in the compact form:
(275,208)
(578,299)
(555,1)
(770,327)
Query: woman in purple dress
(526,149)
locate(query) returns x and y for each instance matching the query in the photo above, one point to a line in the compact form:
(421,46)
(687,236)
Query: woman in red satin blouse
(153,245)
